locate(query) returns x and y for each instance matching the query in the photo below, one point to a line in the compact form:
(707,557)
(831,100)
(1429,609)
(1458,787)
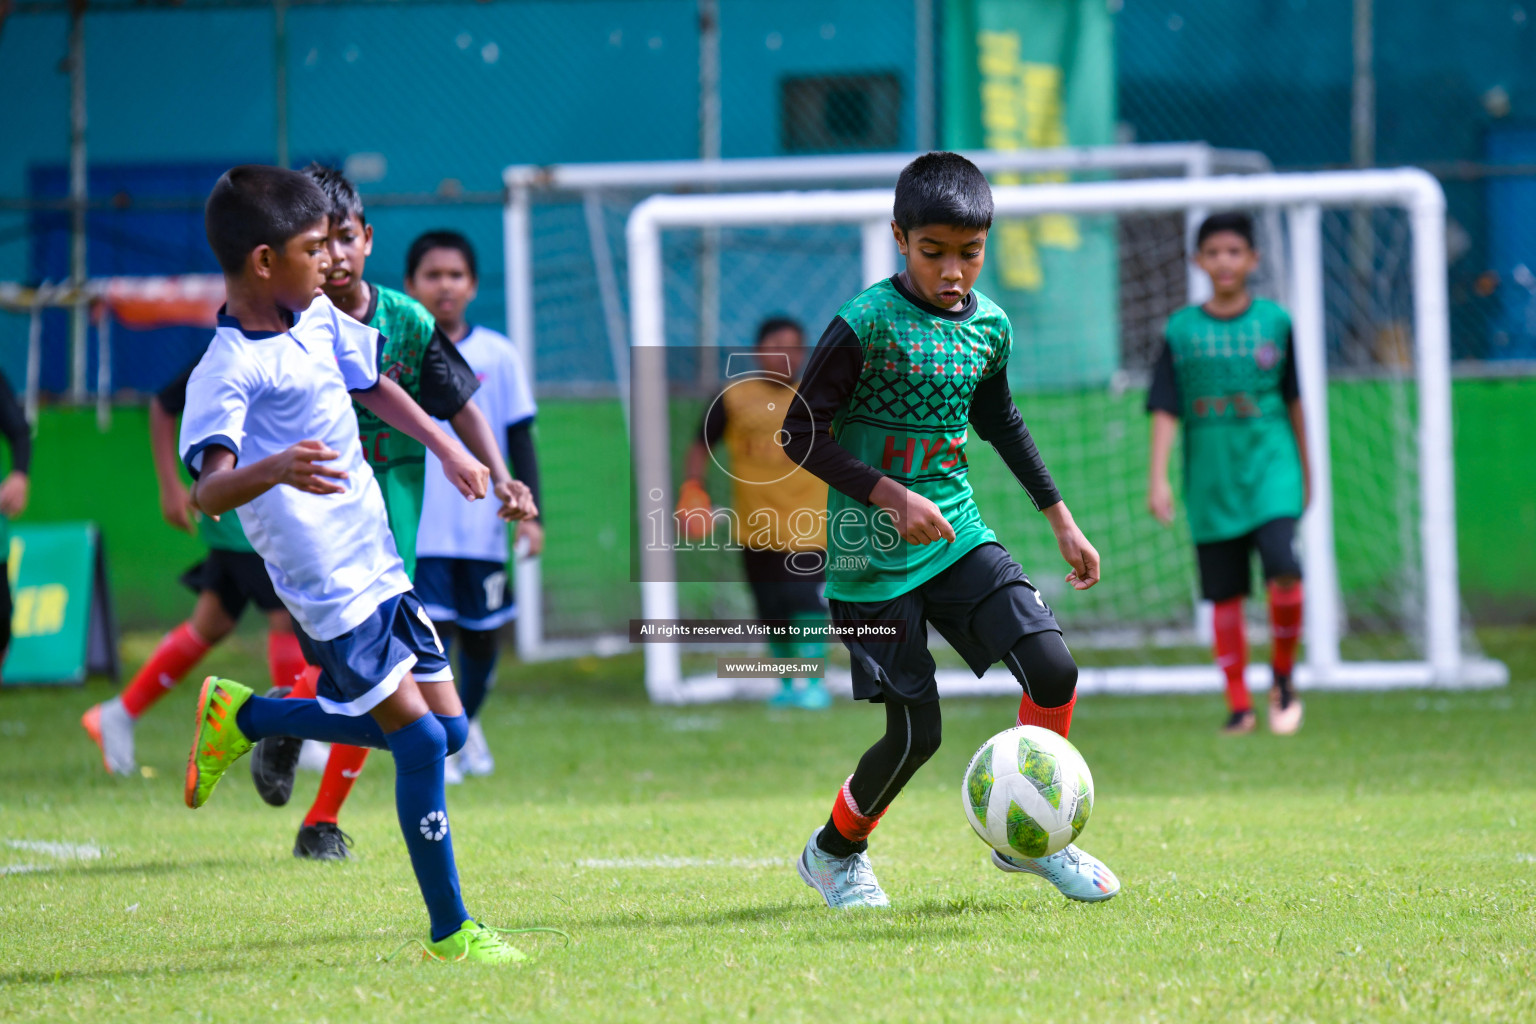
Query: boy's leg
(285,659)
(1047,673)
(1276,541)
(1226,577)
(477,666)
(110,724)
(912,736)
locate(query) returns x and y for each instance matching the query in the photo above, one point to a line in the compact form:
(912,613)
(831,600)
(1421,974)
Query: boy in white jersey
(269,428)
(461,549)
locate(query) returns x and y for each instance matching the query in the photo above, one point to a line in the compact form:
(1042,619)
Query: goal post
(565,289)
(1440,659)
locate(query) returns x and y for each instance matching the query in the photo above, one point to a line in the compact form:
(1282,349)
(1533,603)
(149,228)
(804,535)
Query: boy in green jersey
(1228,373)
(414,354)
(13,494)
(888,396)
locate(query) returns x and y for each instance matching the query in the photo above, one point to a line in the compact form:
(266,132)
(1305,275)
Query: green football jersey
(907,417)
(398,460)
(1241,467)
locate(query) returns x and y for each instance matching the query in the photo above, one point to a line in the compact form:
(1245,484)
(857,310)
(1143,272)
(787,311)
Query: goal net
(568,309)
(1357,257)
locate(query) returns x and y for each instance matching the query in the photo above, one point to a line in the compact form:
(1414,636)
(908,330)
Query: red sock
(304,685)
(1284,625)
(1058,720)
(1232,652)
(178,652)
(851,823)
(285,659)
(341,771)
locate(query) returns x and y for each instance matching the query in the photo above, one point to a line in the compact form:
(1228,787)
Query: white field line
(672,863)
(23,869)
(58,851)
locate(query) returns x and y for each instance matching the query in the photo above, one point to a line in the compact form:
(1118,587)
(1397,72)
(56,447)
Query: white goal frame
(525,183)
(1301,197)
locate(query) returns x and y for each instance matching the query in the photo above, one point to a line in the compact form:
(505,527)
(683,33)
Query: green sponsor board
(61,623)
(1039,74)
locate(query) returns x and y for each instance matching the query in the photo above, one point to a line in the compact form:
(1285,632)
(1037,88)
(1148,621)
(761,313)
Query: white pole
(104,370)
(1321,614)
(1437,484)
(516,243)
(648,441)
(878,251)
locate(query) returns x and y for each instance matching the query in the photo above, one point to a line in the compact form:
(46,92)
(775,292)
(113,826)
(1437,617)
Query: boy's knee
(1045,668)
(927,733)
(455,731)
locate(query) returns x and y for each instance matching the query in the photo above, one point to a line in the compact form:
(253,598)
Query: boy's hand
(517,503)
(13,494)
(300,467)
(1160,501)
(917,519)
(176,507)
(1080,555)
(465,473)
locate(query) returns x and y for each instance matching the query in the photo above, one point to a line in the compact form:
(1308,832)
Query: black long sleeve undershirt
(525,463)
(997,421)
(831,373)
(13,424)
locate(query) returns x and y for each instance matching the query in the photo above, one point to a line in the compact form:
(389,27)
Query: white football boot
(844,882)
(110,725)
(1078,875)
(475,757)
(453,771)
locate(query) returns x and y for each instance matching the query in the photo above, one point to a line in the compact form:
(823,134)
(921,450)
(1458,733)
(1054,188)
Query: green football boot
(218,741)
(476,943)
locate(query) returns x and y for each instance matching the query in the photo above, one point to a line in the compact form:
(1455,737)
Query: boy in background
(1227,371)
(461,549)
(899,376)
(416,356)
(231,577)
(269,428)
(13,495)
(785,568)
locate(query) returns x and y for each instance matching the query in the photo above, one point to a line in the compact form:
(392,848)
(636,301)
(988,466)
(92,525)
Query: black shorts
(5,607)
(1226,566)
(982,605)
(787,584)
(237,578)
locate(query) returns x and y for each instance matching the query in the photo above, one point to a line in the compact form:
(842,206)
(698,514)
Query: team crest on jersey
(1267,356)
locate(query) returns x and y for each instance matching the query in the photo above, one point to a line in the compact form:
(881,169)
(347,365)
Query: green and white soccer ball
(1028,792)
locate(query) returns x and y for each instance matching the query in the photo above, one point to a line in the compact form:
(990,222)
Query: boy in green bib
(1227,373)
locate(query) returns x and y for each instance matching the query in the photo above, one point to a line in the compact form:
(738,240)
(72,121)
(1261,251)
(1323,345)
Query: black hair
(252,205)
(443,238)
(345,202)
(942,188)
(775,324)
(1238,223)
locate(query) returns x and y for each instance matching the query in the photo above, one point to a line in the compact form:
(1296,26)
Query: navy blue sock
(261,717)
(477,663)
(455,729)
(419,749)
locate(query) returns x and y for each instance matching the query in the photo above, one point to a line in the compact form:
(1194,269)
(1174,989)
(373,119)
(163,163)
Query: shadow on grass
(77,869)
(242,965)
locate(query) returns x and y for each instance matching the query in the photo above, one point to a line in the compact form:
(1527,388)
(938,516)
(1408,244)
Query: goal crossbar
(1302,197)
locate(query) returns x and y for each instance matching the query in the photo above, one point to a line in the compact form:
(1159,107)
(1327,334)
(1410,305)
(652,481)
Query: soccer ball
(1027,792)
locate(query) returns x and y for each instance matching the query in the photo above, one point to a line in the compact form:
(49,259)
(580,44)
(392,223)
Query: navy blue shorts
(361,668)
(472,593)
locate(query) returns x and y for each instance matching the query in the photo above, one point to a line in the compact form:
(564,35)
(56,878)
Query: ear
(900,236)
(474,289)
(367,239)
(262,259)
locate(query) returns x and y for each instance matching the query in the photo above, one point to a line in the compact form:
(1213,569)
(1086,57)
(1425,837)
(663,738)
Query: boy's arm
(1163,403)
(222,485)
(831,373)
(13,423)
(389,402)
(475,431)
(1290,390)
(447,383)
(525,467)
(175,499)
(996,420)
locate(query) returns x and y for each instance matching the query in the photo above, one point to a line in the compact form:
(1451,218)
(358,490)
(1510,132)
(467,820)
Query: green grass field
(1380,866)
